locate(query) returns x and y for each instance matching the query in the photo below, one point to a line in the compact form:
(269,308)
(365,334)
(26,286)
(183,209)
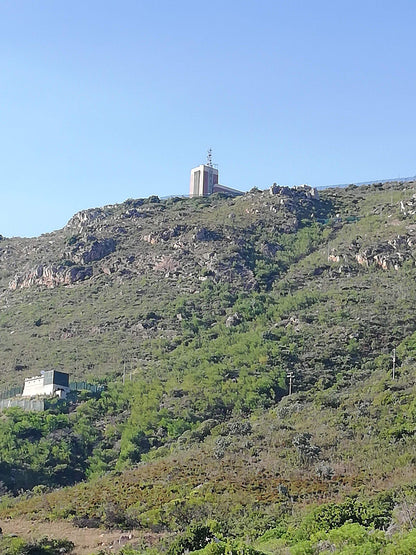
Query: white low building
(49,383)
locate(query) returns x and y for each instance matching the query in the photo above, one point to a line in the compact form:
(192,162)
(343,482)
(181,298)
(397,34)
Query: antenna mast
(209,158)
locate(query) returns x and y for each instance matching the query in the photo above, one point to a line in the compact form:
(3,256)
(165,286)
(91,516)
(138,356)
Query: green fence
(84,386)
(12,392)
(37,405)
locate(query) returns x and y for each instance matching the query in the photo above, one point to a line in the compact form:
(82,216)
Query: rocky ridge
(91,236)
(122,276)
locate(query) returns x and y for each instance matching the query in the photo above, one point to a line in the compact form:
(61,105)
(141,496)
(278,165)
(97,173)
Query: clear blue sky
(101,101)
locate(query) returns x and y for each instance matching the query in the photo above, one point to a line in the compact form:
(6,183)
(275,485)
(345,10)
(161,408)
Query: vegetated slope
(90,297)
(95,297)
(257,480)
(233,294)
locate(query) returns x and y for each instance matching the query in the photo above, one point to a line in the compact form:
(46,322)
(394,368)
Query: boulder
(233,320)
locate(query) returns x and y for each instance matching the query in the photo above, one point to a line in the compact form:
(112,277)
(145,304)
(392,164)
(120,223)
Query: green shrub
(12,546)
(196,537)
(376,513)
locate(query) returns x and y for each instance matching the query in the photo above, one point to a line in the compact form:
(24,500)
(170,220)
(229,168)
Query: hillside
(201,307)
(118,275)
(96,295)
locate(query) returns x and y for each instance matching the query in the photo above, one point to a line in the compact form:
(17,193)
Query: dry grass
(87,540)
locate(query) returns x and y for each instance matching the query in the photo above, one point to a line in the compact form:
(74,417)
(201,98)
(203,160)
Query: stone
(233,320)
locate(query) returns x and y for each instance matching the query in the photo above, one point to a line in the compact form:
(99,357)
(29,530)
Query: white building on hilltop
(48,383)
(204,181)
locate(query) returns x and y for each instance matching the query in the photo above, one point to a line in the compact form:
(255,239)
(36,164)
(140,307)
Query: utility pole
(290,375)
(394,364)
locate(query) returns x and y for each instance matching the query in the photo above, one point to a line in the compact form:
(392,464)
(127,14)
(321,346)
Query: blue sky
(101,101)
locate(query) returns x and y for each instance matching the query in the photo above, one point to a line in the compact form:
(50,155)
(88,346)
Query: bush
(44,546)
(352,538)
(376,513)
(231,547)
(196,537)
(12,546)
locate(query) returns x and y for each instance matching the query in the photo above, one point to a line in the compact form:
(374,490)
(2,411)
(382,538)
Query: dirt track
(87,540)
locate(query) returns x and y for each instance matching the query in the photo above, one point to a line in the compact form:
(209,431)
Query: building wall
(196,183)
(203,180)
(55,377)
(33,386)
(47,384)
(210,179)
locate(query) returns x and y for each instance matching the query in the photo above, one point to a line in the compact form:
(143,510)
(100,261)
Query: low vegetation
(193,319)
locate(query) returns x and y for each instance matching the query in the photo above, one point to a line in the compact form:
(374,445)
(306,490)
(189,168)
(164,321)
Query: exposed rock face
(408,208)
(167,264)
(164,235)
(293,192)
(51,276)
(387,255)
(76,266)
(362,259)
(151,238)
(85,217)
(134,213)
(98,250)
(148,237)
(167,234)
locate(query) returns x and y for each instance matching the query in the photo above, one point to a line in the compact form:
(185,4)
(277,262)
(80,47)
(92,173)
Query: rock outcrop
(82,219)
(98,250)
(51,276)
(386,255)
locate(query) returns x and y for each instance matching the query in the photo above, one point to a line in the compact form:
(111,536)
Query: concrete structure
(227,190)
(204,181)
(49,383)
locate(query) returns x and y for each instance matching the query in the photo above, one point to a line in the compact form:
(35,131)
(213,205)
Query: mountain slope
(93,297)
(204,306)
(110,276)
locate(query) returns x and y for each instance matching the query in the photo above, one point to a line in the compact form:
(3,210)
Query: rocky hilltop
(141,253)
(113,275)
(148,234)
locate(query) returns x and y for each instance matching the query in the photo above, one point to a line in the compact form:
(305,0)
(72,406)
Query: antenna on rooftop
(209,158)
